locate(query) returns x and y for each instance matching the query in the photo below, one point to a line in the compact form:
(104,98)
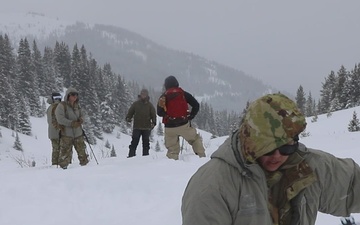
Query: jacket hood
(71,90)
(171,82)
(227,150)
(270,122)
(144,92)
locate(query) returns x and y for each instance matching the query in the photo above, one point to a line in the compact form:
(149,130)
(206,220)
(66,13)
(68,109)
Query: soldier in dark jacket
(144,116)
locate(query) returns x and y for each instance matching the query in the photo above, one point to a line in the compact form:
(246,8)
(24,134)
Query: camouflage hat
(270,122)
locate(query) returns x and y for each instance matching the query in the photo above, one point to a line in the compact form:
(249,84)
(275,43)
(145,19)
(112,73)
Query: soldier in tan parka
(69,116)
(263,175)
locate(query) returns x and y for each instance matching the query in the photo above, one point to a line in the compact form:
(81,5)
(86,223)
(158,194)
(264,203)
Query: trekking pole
(90,146)
(57,160)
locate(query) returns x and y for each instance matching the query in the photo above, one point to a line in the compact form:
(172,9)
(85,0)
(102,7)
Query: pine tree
(107,144)
(300,99)
(112,152)
(24,124)
(354,87)
(36,60)
(26,78)
(327,93)
(49,78)
(340,92)
(63,63)
(157,147)
(354,124)
(76,72)
(17,143)
(8,81)
(160,130)
(309,111)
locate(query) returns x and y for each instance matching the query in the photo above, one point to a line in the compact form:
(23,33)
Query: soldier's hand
(75,124)
(162,102)
(80,120)
(190,117)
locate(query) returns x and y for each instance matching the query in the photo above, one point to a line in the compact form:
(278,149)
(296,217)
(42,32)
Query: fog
(283,43)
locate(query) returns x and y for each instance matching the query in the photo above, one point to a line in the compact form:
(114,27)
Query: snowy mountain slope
(18,25)
(139,59)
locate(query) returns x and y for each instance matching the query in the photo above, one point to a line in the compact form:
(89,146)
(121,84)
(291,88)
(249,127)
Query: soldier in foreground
(263,175)
(70,118)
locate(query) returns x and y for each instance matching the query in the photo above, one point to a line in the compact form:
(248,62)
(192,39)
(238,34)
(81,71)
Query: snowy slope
(135,191)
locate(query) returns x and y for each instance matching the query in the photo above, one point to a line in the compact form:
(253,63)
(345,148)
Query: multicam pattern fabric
(66,144)
(270,122)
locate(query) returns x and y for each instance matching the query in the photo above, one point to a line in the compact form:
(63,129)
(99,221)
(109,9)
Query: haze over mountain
(140,59)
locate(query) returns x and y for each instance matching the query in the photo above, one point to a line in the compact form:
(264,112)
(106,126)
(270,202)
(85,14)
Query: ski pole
(90,146)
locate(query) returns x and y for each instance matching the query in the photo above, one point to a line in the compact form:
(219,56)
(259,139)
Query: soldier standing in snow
(262,175)
(53,128)
(173,107)
(69,115)
(144,116)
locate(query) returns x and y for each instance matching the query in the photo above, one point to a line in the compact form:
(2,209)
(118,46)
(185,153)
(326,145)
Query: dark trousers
(145,134)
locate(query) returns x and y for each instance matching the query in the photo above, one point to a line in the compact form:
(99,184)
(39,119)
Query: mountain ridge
(144,61)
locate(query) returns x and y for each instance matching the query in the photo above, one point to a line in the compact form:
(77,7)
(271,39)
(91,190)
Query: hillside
(139,59)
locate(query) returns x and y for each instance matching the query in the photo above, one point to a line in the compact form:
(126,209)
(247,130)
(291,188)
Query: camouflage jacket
(227,191)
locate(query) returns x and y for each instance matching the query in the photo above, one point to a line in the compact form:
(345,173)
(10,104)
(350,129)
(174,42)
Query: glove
(75,124)
(190,117)
(162,102)
(80,120)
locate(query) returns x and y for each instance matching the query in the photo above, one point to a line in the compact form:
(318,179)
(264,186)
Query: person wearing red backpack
(173,108)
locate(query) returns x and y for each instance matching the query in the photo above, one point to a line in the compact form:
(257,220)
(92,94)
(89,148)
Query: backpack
(54,122)
(176,105)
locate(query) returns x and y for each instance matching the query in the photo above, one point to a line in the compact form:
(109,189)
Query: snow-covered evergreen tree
(327,93)
(309,111)
(26,78)
(7,95)
(157,147)
(160,130)
(63,63)
(17,143)
(107,144)
(112,152)
(354,124)
(49,84)
(24,124)
(301,99)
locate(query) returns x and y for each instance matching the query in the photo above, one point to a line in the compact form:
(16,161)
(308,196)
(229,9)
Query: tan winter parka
(66,116)
(226,191)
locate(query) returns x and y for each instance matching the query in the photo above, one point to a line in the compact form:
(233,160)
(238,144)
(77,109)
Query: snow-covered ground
(122,191)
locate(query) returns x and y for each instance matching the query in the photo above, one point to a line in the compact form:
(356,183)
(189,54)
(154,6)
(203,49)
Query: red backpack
(176,105)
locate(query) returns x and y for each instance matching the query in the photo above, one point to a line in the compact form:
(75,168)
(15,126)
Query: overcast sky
(284,43)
